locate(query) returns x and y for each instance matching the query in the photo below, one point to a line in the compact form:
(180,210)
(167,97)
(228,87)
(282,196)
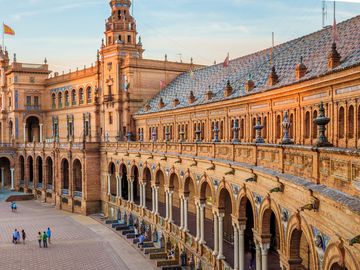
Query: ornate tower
(121,29)
(118,49)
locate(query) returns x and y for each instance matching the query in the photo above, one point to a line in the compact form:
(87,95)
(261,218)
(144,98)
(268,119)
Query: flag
(226,62)
(335,32)
(8,30)
(162,84)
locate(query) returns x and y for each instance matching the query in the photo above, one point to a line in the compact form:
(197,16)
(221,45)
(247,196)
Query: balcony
(65,192)
(78,194)
(32,107)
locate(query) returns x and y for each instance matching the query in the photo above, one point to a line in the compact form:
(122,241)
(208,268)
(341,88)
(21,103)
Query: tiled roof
(313,48)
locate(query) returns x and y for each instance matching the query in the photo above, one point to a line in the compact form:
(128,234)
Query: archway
(49,173)
(189,192)
(246,216)
(30,165)
(39,166)
(136,185)
(206,197)
(270,228)
(5,173)
(147,182)
(112,173)
(225,208)
(22,169)
(77,178)
(65,175)
(124,182)
(174,186)
(300,253)
(160,182)
(336,266)
(33,129)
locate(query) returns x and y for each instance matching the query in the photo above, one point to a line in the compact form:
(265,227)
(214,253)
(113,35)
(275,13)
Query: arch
(30,166)
(39,167)
(33,129)
(136,184)
(146,179)
(81,96)
(49,172)
(207,190)
(339,257)
(59,99)
(160,182)
(299,235)
(341,122)
(88,95)
(53,100)
(5,165)
(112,173)
(65,174)
(73,97)
(174,186)
(124,181)
(77,176)
(67,98)
(22,167)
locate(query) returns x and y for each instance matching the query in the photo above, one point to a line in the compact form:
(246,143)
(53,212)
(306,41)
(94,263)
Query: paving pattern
(78,242)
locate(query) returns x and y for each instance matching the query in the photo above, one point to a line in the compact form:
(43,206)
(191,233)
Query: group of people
(13,206)
(44,238)
(16,237)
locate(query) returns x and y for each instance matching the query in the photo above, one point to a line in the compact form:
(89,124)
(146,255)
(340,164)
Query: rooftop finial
(14,57)
(45,61)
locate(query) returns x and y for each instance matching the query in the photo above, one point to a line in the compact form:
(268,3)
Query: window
(278,127)
(32,79)
(242,129)
(252,128)
(53,99)
(87,133)
(60,100)
(307,125)
(292,126)
(341,122)
(67,99)
(36,101)
(109,40)
(265,127)
(88,94)
(110,118)
(81,96)
(73,97)
(28,101)
(129,39)
(120,38)
(351,122)
(15,79)
(314,126)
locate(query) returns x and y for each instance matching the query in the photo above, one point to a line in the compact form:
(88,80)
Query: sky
(69,32)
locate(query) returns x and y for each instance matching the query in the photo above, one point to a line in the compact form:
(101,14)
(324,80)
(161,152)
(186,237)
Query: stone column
(12,178)
(241,247)
(186,202)
(221,236)
(258,256)
(202,223)
(132,189)
(170,205)
(198,233)
(236,247)
(108,182)
(166,204)
(144,195)
(129,190)
(24,133)
(181,213)
(41,132)
(216,235)
(157,200)
(2,178)
(264,256)
(141,194)
(120,186)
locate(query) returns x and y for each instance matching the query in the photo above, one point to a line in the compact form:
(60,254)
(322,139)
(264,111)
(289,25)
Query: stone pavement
(78,242)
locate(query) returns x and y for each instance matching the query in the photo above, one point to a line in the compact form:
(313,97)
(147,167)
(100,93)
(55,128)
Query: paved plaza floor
(78,242)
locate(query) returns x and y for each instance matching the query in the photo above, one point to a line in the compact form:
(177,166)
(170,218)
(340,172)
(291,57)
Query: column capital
(264,248)
(221,215)
(12,169)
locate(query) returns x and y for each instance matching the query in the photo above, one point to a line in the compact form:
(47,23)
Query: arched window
(265,127)
(81,96)
(53,100)
(242,128)
(314,126)
(292,126)
(221,130)
(60,100)
(307,125)
(252,128)
(89,95)
(278,127)
(67,99)
(351,122)
(341,122)
(73,97)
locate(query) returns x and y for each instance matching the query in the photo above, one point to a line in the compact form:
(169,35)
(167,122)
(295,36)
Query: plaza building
(257,155)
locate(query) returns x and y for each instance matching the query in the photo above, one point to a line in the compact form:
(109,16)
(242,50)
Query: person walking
(23,235)
(44,238)
(48,233)
(39,239)
(14,235)
(18,239)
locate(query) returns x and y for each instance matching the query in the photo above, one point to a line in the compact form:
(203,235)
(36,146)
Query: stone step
(173,267)
(131,236)
(111,221)
(122,227)
(148,245)
(161,263)
(127,231)
(153,250)
(158,256)
(114,225)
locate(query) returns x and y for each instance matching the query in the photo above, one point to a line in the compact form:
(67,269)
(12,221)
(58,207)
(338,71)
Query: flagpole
(3,36)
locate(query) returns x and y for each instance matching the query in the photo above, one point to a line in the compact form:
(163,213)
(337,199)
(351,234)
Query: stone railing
(78,194)
(65,192)
(49,187)
(335,167)
(39,185)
